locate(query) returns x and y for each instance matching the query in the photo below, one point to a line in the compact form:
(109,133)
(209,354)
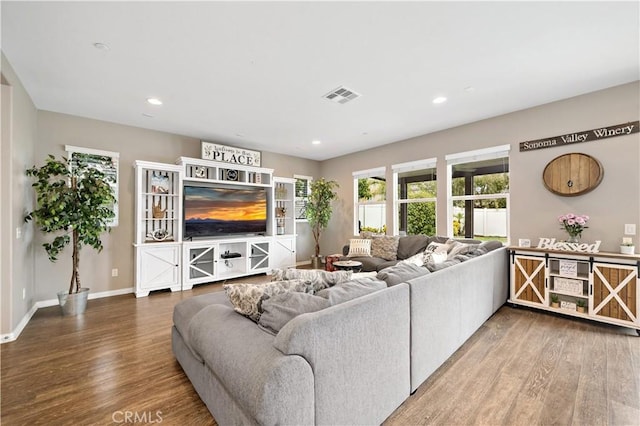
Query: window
(478,204)
(303,186)
(107,161)
(370,189)
(416,192)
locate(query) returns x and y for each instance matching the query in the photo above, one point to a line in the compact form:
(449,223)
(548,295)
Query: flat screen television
(223,210)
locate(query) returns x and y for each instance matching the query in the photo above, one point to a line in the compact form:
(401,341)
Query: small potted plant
(319,211)
(555,301)
(627,246)
(580,305)
(75,204)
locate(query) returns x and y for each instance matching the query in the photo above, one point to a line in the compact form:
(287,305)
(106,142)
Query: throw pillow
(316,278)
(350,290)
(416,259)
(401,272)
(247,298)
(385,247)
(359,247)
(282,308)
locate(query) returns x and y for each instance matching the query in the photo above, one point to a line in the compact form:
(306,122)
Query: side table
(348,265)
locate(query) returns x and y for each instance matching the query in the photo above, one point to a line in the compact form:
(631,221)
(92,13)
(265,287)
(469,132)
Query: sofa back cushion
(352,289)
(385,247)
(411,245)
(282,308)
(400,273)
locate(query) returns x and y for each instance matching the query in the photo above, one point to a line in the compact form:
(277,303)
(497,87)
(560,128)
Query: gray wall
(57,130)
(533,209)
(19,121)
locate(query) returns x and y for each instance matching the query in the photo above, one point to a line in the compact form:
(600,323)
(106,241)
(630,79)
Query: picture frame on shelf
(159,183)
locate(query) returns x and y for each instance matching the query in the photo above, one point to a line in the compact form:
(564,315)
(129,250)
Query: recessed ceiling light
(439,100)
(316,142)
(154,101)
(101,46)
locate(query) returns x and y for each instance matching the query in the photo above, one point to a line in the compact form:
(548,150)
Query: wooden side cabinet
(599,286)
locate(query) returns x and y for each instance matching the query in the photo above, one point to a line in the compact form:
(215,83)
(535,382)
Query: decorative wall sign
(230,154)
(551,244)
(572,174)
(583,136)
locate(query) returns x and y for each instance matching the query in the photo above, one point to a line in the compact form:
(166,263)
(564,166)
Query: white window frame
(490,153)
(115,158)
(427,163)
(309,180)
(362,174)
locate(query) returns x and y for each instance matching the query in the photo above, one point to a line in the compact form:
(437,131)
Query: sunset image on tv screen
(217,211)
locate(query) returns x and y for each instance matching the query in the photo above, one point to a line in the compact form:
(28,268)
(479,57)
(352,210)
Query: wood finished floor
(521,367)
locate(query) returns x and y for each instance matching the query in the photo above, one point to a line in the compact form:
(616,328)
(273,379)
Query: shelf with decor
(158,229)
(599,286)
(197,170)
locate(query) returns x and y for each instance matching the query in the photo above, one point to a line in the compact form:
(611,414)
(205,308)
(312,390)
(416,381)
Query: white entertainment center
(166,259)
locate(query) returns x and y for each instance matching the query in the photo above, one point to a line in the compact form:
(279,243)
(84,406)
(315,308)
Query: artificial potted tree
(318,210)
(76,204)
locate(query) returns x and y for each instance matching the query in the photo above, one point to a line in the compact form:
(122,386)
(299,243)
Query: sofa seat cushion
(184,311)
(260,378)
(370,263)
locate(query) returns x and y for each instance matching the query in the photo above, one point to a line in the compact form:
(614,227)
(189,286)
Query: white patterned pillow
(315,278)
(359,247)
(435,253)
(247,298)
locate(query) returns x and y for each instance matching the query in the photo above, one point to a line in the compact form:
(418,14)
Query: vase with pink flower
(574,224)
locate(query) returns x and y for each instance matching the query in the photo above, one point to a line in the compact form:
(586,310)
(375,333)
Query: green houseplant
(318,210)
(76,204)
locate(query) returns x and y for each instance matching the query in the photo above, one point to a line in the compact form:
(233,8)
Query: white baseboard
(54,302)
(10,337)
(304,262)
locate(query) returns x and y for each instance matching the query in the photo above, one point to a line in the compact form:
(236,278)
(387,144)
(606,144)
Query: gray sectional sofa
(351,363)
(407,246)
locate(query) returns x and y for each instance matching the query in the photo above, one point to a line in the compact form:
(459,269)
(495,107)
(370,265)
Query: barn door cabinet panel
(599,286)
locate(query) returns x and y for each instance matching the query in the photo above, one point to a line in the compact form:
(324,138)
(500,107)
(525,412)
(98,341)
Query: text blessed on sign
(230,154)
(584,136)
(551,244)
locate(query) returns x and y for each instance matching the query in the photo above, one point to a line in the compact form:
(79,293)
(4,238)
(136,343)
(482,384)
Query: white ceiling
(252,74)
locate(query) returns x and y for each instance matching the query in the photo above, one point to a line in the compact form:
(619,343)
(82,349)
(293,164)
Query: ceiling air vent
(341,95)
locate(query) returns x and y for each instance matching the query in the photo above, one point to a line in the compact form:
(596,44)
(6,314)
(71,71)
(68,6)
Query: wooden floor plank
(521,367)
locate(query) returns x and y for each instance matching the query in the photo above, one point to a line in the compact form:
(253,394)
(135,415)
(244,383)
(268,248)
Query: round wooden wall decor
(572,174)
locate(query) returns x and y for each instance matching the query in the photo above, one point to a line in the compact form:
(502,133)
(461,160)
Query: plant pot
(627,249)
(316,262)
(555,304)
(580,309)
(74,303)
